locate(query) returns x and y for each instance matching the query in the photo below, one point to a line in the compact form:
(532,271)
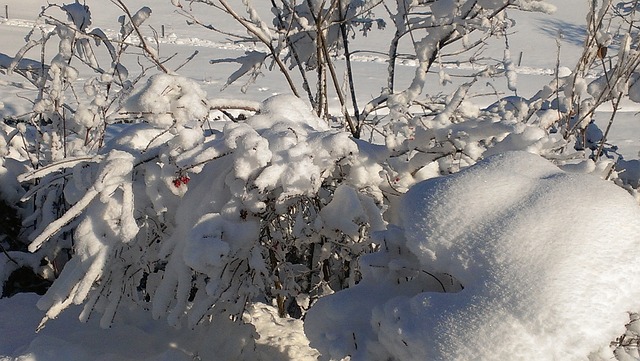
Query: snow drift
(534,262)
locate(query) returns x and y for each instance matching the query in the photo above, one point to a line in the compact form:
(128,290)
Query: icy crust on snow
(547,260)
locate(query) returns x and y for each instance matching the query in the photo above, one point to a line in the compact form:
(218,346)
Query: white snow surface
(545,258)
(142,338)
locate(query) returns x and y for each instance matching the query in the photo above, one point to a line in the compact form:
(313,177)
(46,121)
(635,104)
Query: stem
(334,78)
(347,55)
(294,51)
(321,86)
(145,46)
(616,103)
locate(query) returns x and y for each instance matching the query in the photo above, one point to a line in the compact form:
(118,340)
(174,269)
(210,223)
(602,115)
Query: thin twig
(347,55)
(336,83)
(191,57)
(8,255)
(151,53)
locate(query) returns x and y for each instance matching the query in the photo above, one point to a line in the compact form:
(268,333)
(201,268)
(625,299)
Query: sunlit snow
(545,259)
(481,254)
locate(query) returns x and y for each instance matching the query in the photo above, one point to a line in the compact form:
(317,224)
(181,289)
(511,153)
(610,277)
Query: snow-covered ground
(521,244)
(141,338)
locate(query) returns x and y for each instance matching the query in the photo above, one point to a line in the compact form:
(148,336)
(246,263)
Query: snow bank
(547,260)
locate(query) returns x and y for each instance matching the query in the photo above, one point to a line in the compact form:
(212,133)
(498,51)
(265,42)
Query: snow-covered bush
(557,122)
(194,223)
(425,133)
(70,118)
(135,200)
(311,37)
(509,259)
(605,75)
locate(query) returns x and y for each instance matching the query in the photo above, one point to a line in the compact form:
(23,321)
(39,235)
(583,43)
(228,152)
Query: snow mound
(284,111)
(546,260)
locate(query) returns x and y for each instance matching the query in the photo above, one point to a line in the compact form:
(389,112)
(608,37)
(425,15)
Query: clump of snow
(280,338)
(546,260)
(536,5)
(345,212)
(510,71)
(283,110)
(167,100)
(78,14)
(205,248)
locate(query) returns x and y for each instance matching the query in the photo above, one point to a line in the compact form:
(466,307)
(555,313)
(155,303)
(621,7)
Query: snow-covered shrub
(557,122)
(194,223)
(606,72)
(70,118)
(425,135)
(509,259)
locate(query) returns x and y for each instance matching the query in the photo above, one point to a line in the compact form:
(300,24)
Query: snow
(205,247)
(141,338)
(345,212)
(544,257)
(169,100)
(78,14)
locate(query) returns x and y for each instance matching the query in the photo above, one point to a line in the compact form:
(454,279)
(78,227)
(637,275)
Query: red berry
(183,179)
